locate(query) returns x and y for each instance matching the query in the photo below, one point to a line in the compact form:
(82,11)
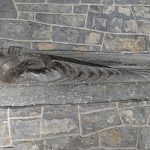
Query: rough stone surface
(25,129)
(7,9)
(51,46)
(132,43)
(52,8)
(72,35)
(24,30)
(119,137)
(59,120)
(64,1)
(91,122)
(69,20)
(85,25)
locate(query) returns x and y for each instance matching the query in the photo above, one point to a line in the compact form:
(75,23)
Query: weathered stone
(95,48)
(7,9)
(24,30)
(133,43)
(131,104)
(92,122)
(128,2)
(111,18)
(59,120)
(8,43)
(25,128)
(91,1)
(124,10)
(115,149)
(80,9)
(146,2)
(72,142)
(119,137)
(28,145)
(116,25)
(4,131)
(30,1)
(107,2)
(64,1)
(56,46)
(26,16)
(60,19)
(141,13)
(130,26)
(64,34)
(25,111)
(144,26)
(96,19)
(96,107)
(135,116)
(53,8)
(4,134)
(144,136)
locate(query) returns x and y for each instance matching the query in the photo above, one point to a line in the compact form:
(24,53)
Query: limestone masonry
(85,25)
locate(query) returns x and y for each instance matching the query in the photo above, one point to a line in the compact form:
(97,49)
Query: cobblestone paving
(95,25)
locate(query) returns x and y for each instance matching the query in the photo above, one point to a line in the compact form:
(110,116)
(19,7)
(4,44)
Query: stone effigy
(72,77)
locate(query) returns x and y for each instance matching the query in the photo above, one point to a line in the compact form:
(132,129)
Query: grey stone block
(136,115)
(96,107)
(144,26)
(91,1)
(111,18)
(60,46)
(130,104)
(72,142)
(132,43)
(119,137)
(128,2)
(80,9)
(60,19)
(4,131)
(7,9)
(64,1)
(141,12)
(107,2)
(8,43)
(28,145)
(92,122)
(25,111)
(23,30)
(72,35)
(27,16)
(58,120)
(53,8)
(29,1)
(25,129)
(144,136)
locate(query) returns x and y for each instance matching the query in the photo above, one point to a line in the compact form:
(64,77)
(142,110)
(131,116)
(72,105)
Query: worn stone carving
(71,77)
(18,65)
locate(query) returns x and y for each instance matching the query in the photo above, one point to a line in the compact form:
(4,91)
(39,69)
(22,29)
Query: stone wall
(86,25)
(109,126)
(95,25)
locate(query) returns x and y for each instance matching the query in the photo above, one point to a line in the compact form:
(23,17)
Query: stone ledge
(126,78)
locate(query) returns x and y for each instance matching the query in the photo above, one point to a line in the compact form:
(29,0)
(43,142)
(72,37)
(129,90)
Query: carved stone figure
(18,65)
